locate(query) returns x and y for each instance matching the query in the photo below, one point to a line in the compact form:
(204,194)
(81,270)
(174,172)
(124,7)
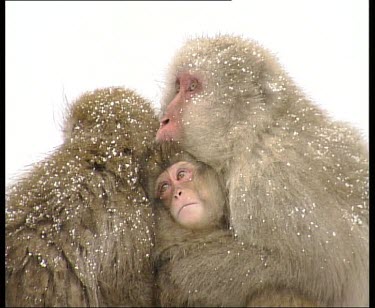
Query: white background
(55,51)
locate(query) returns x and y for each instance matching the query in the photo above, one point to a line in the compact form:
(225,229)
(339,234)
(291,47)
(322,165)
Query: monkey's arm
(39,249)
(280,298)
(46,278)
(311,233)
(225,272)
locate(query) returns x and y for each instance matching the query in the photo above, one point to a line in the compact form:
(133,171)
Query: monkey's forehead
(240,67)
(221,50)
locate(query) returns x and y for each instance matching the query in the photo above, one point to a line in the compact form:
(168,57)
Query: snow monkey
(297,181)
(79,229)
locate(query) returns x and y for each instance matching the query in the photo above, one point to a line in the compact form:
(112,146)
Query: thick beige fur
(297,181)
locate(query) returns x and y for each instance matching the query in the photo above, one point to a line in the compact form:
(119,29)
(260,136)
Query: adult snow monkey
(297,181)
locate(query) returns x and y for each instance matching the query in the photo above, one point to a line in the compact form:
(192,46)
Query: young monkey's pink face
(188,204)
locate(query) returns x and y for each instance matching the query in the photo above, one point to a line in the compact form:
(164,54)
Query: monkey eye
(193,85)
(181,174)
(163,188)
(184,175)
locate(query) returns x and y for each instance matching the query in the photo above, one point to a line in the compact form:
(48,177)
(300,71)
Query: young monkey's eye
(163,188)
(193,85)
(181,174)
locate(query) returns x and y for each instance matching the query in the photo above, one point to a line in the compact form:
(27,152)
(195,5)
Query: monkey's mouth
(185,205)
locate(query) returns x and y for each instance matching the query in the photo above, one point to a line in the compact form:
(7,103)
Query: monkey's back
(78,226)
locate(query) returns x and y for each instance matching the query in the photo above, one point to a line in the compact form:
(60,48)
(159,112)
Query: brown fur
(79,229)
(297,182)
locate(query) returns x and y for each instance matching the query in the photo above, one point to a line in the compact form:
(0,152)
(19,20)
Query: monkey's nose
(164,122)
(178,193)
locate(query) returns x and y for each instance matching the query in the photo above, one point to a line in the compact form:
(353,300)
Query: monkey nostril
(164,122)
(178,194)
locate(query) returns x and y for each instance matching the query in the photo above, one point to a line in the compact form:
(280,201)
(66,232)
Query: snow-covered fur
(79,230)
(297,181)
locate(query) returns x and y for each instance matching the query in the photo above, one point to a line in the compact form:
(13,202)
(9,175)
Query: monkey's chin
(184,207)
(190,215)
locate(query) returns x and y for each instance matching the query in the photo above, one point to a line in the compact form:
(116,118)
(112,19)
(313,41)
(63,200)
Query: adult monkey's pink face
(214,96)
(187,85)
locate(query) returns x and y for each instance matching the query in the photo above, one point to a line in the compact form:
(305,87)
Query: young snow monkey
(198,262)
(190,192)
(187,195)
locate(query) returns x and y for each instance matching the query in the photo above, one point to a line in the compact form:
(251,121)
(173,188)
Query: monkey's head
(219,89)
(188,190)
(158,158)
(112,121)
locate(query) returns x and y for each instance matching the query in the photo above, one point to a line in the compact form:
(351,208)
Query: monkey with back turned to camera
(79,230)
(297,181)
(198,262)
